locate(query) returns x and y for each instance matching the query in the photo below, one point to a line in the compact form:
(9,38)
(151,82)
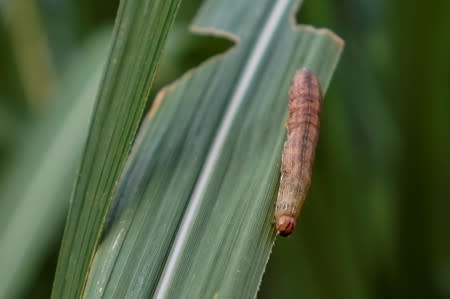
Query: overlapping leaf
(139,35)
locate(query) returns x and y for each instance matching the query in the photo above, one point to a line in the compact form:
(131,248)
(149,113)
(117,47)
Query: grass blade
(139,35)
(191,213)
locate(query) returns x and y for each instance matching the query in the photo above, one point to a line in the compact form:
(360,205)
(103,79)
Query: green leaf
(193,214)
(35,194)
(139,35)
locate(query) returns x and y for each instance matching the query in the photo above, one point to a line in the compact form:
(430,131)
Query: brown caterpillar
(302,125)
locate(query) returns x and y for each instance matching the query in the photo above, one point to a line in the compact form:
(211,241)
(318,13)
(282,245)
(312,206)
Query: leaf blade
(140,32)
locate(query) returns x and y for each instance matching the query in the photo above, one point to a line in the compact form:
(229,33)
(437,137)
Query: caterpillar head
(285,225)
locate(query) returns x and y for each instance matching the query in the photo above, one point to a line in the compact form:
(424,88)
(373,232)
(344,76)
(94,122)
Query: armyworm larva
(302,125)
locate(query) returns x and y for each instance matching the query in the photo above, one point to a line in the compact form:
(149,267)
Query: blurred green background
(376,224)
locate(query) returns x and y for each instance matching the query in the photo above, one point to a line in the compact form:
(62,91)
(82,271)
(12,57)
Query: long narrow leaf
(194,210)
(139,35)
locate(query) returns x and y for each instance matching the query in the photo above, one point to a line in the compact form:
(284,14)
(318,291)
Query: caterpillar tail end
(285,225)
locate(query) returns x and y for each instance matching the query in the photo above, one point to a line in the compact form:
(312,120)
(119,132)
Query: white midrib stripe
(192,210)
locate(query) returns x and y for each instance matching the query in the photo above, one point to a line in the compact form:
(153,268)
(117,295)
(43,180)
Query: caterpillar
(302,126)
